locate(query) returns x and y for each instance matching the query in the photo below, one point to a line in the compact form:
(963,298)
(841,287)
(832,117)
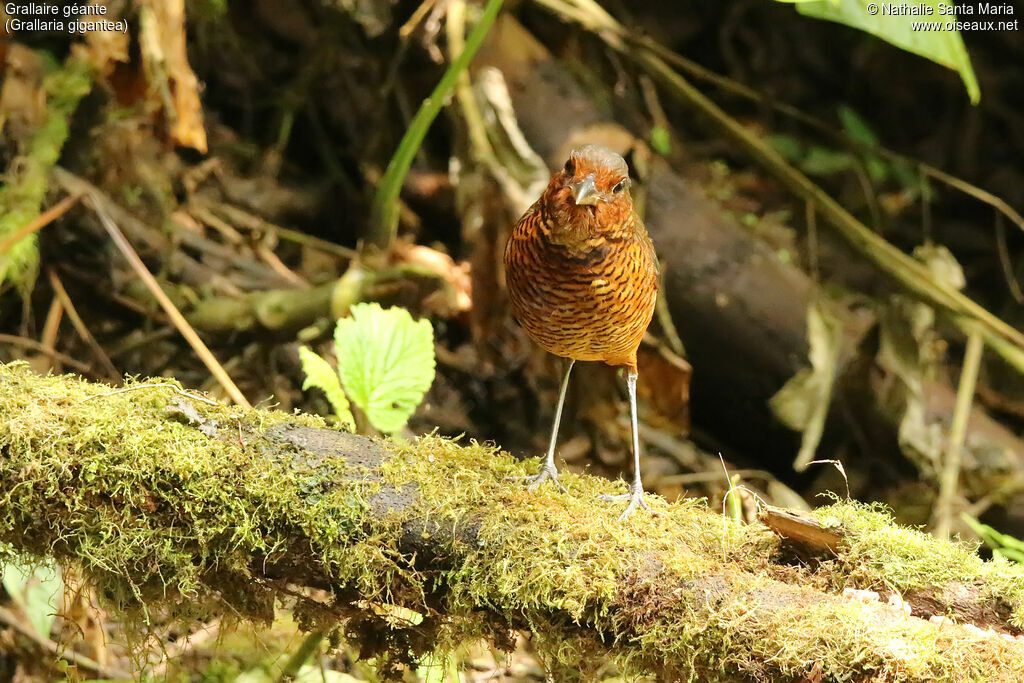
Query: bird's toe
(533,481)
(635,498)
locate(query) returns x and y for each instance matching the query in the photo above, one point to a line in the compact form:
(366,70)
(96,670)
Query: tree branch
(174,507)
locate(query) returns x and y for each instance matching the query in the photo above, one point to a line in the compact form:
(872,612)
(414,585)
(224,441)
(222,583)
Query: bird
(582,277)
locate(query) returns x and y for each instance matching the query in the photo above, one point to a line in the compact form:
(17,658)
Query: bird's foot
(635,498)
(547,471)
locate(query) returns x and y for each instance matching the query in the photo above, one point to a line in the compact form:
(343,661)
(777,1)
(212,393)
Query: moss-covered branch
(293,309)
(174,506)
(21,195)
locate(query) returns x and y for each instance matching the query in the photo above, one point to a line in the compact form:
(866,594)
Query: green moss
(883,555)
(22,193)
(196,515)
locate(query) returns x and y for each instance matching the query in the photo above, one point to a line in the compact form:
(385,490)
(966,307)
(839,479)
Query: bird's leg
(636,489)
(548,471)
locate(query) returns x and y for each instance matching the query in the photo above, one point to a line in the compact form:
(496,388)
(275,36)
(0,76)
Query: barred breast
(590,304)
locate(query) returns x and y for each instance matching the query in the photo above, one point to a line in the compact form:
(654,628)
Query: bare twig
(286,273)
(244,219)
(811,218)
(32,344)
(51,327)
(943,514)
(80,326)
(136,387)
(1005,263)
(683,452)
(11,619)
(714,475)
(185,645)
(39,222)
(668,326)
(455,26)
(190,335)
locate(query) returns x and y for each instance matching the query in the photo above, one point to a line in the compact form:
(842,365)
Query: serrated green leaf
(35,590)
(321,375)
(386,362)
(940,46)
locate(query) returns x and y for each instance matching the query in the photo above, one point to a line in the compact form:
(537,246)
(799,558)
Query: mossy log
(175,506)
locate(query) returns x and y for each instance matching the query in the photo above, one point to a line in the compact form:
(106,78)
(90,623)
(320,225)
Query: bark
(173,505)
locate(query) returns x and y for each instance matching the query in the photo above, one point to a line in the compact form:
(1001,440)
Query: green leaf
(940,46)
(385,201)
(386,362)
(34,589)
(321,375)
(1003,545)
(661,141)
(791,149)
(821,161)
(856,127)
(1009,554)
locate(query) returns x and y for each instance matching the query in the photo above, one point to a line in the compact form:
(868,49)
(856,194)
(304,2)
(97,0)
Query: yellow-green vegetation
(25,183)
(881,555)
(177,507)
(1002,545)
(385,363)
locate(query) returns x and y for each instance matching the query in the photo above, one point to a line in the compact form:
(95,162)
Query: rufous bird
(583,280)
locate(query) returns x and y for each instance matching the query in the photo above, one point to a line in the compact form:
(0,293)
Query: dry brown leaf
(162,39)
(664,385)
(455,274)
(22,99)
(104,49)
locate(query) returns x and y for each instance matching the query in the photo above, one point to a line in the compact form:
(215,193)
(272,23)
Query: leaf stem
(384,218)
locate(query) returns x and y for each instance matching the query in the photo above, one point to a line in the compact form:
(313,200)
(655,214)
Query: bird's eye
(570,167)
(622,185)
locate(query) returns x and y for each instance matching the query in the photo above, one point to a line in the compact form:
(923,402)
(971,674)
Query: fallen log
(174,506)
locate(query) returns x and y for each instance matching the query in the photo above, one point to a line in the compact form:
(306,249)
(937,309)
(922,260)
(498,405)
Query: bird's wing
(647,244)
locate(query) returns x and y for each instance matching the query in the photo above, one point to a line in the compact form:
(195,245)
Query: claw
(535,480)
(635,498)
